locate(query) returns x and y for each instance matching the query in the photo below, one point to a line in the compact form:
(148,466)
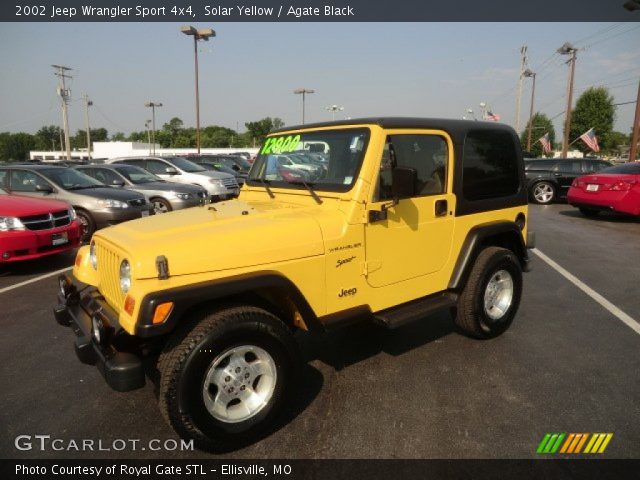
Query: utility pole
(303,92)
(87,104)
(529,73)
(153,106)
(64,96)
(633,151)
(568,49)
(523,63)
(61,139)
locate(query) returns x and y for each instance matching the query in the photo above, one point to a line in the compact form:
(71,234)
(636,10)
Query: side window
(490,165)
(4,179)
(23,181)
(426,154)
(157,167)
(105,176)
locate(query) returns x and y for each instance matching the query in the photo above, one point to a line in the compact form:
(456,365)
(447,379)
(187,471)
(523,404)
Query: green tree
(48,138)
(118,137)
(594,109)
(613,141)
(540,124)
(174,128)
(16,146)
(258,130)
(79,140)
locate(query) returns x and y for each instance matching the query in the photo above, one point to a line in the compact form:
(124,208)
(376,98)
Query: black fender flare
(189,296)
(481,235)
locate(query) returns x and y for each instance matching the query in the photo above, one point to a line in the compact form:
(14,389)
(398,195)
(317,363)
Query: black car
(549,179)
(235,165)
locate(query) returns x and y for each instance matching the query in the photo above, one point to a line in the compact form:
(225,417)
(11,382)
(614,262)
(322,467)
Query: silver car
(164,196)
(218,185)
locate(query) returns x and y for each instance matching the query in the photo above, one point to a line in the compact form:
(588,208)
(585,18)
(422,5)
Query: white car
(218,185)
(295,163)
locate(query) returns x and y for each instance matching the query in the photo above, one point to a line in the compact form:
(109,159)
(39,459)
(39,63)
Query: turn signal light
(162,312)
(129,304)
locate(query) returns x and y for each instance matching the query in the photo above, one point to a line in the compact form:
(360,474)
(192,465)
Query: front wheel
(224,381)
(543,193)
(160,205)
(491,296)
(87,225)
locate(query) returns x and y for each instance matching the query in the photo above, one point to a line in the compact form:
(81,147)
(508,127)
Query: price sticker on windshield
(280,144)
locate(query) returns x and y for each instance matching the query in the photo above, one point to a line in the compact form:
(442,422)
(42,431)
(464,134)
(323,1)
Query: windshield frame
(317,186)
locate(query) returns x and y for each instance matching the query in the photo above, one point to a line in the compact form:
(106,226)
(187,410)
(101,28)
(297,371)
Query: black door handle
(441,208)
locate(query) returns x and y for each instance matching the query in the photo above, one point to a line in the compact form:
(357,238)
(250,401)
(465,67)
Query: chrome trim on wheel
(498,295)
(239,383)
(160,207)
(543,192)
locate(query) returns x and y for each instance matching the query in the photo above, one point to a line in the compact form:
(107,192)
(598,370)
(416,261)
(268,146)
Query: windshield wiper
(266,183)
(308,186)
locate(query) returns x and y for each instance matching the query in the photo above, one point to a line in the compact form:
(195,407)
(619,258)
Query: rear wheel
(87,225)
(588,212)
(160,205)
(543,193)
(224,381)
(491,296)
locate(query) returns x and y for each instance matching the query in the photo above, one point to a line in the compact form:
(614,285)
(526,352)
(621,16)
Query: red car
(615,189)
(33,228)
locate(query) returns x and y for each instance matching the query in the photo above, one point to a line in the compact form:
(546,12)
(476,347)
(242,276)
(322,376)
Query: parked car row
(98,195)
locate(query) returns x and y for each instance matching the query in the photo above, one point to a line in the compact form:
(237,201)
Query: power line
(599,32)
(609,38)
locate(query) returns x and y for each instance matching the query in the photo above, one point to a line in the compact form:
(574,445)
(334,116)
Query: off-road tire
(471,316)
(188,355)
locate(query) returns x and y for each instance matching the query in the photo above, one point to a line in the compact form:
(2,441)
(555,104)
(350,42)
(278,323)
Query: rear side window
(490,165)
(569,166)
(539,165)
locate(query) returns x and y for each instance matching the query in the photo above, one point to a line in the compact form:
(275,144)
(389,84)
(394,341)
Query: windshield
(327,159)
(632,168)
(185,165)
(137,175)
(70,179)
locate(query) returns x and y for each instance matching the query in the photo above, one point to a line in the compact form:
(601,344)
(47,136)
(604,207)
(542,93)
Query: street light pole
(198,34)
(529,73)
(153,106)
(568,49)
(146,125)
(303,92)
(333,109)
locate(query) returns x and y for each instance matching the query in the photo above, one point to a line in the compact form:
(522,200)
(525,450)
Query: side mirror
(44,188)
(403,183)
(236,168)
(171,171)
(118,183)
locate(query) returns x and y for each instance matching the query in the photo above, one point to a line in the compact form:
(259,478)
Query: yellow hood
(220,236)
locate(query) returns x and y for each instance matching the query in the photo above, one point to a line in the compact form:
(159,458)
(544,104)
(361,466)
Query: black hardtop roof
(446,124)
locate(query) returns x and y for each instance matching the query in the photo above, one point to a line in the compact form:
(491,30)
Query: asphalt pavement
(424,391)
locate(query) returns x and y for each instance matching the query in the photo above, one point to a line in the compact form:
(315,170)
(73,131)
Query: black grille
(138,202)
(47,221)
(230,183)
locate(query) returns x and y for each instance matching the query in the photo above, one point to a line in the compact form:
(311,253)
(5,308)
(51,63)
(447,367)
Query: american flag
(591,140)
(546,144)
(494,117)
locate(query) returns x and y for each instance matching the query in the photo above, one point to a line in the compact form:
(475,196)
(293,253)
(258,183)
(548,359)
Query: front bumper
(112,216)
(113,351)
(30,244)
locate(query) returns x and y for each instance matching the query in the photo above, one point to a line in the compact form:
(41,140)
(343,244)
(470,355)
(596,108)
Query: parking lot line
(622,316)
(33,280)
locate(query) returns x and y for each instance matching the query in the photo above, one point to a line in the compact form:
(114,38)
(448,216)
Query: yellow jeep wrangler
(380,219)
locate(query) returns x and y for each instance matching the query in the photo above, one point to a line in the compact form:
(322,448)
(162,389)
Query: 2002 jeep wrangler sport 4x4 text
(379,219)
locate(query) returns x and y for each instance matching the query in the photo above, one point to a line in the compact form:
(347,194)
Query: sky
(249,71)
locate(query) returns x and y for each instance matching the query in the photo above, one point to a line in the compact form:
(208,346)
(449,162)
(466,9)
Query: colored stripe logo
(572,443)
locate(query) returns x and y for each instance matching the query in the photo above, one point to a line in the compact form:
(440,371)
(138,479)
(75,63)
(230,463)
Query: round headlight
(125,276)
(92,255)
